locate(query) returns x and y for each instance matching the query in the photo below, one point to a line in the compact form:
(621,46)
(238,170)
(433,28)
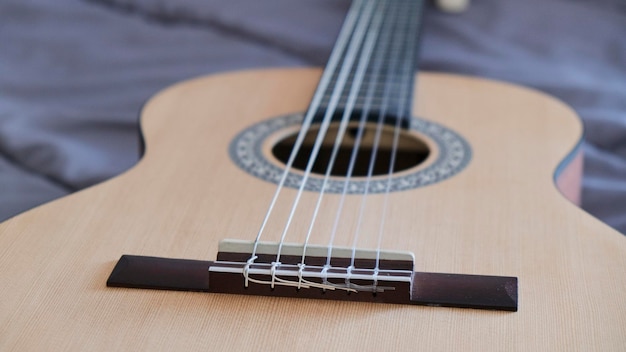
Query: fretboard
(376,55)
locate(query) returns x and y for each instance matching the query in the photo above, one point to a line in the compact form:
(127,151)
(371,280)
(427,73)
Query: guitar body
(501,215)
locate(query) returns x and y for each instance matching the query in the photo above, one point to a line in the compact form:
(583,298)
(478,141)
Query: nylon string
(377,66)
(359,35)
(363,64)
(407,70)
(336,54)
(357,40)
(397,46)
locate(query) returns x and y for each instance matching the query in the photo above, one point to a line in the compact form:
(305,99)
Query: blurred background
(74,74)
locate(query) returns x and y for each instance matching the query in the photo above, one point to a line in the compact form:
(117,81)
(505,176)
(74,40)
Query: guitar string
(407,69)
(393,62)
(373,82)
(325,124)
(335,56)
(355,88)
(351,53)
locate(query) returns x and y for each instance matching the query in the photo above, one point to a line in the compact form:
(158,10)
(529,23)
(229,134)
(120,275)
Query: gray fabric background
(74,74)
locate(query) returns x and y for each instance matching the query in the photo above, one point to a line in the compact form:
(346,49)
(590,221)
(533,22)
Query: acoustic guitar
(340,209)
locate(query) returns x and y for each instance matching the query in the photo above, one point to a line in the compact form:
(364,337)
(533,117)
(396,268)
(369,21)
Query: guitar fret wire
(335,56)
(410,52)
(364,61)
(368,73)
(376,90)
(351,75)
(350,57)
(375,99)
(397,46)
(398,80)
(389,26)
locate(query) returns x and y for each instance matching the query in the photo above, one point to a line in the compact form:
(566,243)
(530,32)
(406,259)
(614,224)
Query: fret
(376,102)
(383,75)
(376,91)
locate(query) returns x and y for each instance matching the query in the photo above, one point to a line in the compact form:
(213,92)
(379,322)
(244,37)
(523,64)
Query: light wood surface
(501,216)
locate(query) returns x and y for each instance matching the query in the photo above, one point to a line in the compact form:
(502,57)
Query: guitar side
(502,215)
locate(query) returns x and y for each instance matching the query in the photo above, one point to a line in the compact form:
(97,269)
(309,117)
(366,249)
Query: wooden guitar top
(501,215)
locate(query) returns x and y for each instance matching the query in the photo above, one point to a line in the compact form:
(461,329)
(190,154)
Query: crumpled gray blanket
(74,74)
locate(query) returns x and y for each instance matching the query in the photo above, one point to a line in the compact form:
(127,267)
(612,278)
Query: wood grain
(501,216)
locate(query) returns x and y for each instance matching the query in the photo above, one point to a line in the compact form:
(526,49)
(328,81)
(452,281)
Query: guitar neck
(371,66)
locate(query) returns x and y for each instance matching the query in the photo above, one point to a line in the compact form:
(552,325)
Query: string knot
(246,269)
(300,274)
(348,274)
(273,272)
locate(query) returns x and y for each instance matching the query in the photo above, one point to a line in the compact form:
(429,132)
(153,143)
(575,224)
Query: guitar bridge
(386,277)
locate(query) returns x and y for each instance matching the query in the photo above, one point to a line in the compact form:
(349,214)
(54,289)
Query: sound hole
(411,151)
